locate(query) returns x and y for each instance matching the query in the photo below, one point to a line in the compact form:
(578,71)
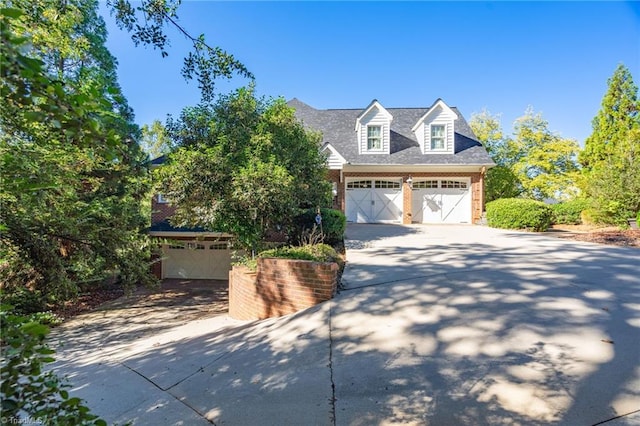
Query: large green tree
(534,162)
(544,163)
(611,156)
(72,172)
(243,165)
(618,114)
(501,181)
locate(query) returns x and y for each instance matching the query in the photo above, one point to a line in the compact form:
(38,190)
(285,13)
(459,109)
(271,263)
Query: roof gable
(438,106)
(374,105)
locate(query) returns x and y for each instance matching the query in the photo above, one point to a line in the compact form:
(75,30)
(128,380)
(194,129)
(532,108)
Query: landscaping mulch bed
(88,301)
(607,236)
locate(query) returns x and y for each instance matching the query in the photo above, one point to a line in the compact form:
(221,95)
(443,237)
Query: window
(389,184)
(424,184)
(374,137)
(454,184)
(359,184)
(437,136)
(219,246)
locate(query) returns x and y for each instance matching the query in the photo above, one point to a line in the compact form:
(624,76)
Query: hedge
(315,253)
(569,212)
(519,213)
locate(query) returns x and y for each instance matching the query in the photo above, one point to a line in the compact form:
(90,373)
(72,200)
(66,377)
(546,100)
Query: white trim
(380,138)
(373,104)
(414,168)
(444,138)
(431,110)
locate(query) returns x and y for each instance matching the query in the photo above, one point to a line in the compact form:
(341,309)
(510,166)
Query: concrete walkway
(438,325)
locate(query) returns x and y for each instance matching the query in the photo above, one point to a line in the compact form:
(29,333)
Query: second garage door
(197,260)
(441,201)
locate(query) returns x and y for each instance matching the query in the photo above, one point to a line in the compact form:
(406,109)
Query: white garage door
(371,201)
(197,260)
(441,201)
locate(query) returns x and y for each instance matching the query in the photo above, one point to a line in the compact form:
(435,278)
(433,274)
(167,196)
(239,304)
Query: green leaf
(35,329)
(11,12)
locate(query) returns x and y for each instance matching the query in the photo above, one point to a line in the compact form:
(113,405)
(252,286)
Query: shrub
(314,253)
(569,212)
(334,223)
(519,213)
(638,218)
(27,391)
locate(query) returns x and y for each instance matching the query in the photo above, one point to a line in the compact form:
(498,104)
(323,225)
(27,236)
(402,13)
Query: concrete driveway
(438,325)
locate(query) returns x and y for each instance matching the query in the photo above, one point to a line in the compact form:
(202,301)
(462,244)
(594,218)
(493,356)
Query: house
(387,165)
(401,165)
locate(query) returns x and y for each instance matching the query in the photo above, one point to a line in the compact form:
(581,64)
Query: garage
(374,200)
(441,201)
(197,260)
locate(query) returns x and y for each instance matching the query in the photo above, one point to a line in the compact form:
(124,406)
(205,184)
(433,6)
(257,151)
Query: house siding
(441,118)
(334,161)
(375,118)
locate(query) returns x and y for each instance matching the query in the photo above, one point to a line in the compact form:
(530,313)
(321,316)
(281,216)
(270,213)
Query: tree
(619,113)
(154,140)
(244,166)
(535,162)
(146,24)
(611,157)
(72,174)
(544,163)
(500,181)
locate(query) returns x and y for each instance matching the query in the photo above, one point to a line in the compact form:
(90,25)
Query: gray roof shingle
(338,129)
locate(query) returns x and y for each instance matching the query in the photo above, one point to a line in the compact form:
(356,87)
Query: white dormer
(434,130)
(373,128)
(335,161)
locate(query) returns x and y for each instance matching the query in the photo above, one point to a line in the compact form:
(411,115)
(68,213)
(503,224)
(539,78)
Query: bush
(314,253)
(334,223)
(569,212)
(519,213)
(27,391)
(638,218)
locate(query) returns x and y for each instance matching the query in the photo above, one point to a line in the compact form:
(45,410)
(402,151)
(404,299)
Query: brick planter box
(279,287)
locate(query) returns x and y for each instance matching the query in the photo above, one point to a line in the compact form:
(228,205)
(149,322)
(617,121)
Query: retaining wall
(279,287)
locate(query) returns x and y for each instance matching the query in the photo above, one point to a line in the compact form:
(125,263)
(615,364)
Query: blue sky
(502,56)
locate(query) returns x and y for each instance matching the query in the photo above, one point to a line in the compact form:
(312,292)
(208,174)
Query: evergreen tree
(619,113)
(611,157)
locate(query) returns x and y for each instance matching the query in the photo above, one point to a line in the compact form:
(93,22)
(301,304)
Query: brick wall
(160,211)
(279,287)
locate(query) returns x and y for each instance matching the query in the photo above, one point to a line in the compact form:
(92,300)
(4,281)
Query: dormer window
(434,131)
(373,128)
(374,138)
(438,135)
